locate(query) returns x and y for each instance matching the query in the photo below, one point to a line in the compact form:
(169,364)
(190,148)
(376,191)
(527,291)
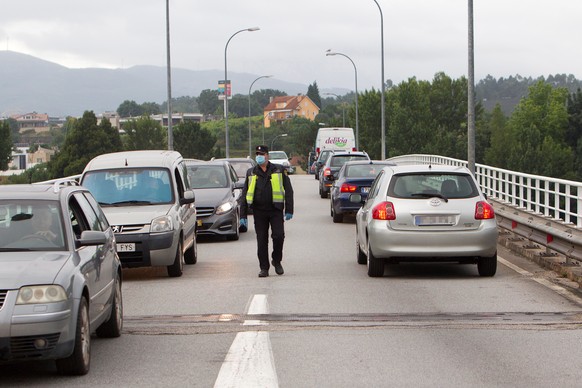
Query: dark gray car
(60,276)
(217,190)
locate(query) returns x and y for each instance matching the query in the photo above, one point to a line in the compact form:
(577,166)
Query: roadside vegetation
(540,134)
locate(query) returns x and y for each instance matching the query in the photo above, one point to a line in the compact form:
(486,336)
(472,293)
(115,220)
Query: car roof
(376,162)
(215,162)
(142,158)
(52,192)
(343,153)
(419,168)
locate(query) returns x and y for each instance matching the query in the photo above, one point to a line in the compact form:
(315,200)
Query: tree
(144,133)
(129,109)
(85,140)
(5,145)
(538,126)
(313,94)
(501,146)
(208,101)
(194,142)
(574,131)
(184,104)
(150,108)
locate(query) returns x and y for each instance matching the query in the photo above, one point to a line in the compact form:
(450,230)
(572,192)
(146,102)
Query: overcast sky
(421,37)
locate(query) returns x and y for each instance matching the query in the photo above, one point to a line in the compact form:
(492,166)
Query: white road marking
(249,361)
(544,282)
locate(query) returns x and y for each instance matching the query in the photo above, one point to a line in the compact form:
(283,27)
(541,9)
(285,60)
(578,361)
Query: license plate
(126,247)
(365,190)
(434,220)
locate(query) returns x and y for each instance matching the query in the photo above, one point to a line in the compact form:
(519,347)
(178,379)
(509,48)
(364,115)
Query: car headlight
(41,294)
(224,208)
(162,224)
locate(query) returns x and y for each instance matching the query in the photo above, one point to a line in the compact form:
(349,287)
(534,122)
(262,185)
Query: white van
(147,199)
(335,139)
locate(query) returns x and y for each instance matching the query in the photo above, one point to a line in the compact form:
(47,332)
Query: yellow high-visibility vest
(276,187)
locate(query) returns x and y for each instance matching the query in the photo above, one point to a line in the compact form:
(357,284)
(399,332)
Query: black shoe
(278,268)
(263,273)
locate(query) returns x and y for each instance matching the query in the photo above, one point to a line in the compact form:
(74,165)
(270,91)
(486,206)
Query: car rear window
(364,170)
(340,160)
(421,185)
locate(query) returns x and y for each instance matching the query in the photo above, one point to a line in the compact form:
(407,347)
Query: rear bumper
(437,245)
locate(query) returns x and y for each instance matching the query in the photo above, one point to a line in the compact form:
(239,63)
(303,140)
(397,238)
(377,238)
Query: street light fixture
(226,89)
(383,83)
(250,87)
(275,138)
(343,107)
(331,53)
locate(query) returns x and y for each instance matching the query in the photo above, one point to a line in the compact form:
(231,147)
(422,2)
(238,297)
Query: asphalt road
(325,323)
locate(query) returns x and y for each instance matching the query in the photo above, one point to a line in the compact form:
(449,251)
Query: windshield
(129,186)
(207,176)
(241,168)
(277,155)
(27,225)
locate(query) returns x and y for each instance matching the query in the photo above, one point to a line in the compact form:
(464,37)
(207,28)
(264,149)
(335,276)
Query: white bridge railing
(556,199)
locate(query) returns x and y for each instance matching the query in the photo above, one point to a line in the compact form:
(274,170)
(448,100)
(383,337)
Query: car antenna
(126,163)
(429,166)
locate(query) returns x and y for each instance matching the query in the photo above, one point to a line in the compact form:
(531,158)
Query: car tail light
(484,211)
(347,188)
(327,172)
(384,211)
(354,149)
(317,151)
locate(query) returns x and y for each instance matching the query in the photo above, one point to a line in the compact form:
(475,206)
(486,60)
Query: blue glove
(288,216)
(244,222)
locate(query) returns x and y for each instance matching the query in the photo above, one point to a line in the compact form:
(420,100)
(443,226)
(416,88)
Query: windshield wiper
(121,203)
(428,195)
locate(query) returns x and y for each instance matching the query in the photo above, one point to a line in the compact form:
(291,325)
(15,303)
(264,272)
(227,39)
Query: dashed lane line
(249,361)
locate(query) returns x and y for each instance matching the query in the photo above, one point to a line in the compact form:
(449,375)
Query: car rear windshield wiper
(429,195)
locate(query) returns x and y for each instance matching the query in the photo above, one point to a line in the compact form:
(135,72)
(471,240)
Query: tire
(487,266)
(175,270)
(338,218)
(375,265)
(79,362)
(191,255)
(322,193)
(361,256)
(236,235)
(113,326)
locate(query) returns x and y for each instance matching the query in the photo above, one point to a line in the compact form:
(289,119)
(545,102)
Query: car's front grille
(23,347)
(204,211)
(3,294)
(127,228)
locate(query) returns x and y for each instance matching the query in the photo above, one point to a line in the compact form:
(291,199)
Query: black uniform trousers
(263,219)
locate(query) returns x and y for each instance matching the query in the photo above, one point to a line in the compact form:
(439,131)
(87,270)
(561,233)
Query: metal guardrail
(541,209)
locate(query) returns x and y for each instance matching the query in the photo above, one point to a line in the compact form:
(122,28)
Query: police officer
(268,192)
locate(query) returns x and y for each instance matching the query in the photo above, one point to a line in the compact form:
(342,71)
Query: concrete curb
(538,254)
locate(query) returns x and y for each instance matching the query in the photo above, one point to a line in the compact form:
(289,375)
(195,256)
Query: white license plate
(126,247)
(434,220)
(365,190)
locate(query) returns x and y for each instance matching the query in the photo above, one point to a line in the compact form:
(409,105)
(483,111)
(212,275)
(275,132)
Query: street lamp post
(169,79)
(383,124)
(226,89)
(331,53)
(275,138)
(250,87)
(343,107)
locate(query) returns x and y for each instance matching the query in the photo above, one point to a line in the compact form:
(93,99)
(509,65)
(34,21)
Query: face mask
(260,159)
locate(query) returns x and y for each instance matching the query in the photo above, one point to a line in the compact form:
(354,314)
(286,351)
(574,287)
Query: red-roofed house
(285,108)
(39,122)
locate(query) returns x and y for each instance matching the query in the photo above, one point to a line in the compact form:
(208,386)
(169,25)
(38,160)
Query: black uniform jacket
(263,199)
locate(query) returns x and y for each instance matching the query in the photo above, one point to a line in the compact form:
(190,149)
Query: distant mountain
(30,84)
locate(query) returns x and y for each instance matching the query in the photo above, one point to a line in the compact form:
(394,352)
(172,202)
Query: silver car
(60,277)
(426,213)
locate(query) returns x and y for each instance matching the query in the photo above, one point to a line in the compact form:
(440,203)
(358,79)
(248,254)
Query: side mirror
(188,197)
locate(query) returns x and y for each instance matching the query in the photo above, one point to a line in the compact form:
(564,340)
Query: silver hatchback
(60,277)
(426,213)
